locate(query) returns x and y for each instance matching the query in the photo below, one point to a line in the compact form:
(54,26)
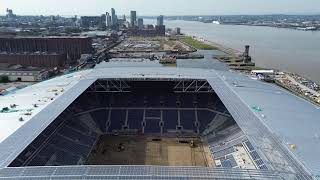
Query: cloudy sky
(166,7)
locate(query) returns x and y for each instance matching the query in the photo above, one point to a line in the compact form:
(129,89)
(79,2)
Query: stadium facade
(47,129)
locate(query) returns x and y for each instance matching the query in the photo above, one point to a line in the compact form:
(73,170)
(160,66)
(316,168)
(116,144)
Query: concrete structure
(133,18)
(246,56)
(25,74)
(268,116)
(73,47)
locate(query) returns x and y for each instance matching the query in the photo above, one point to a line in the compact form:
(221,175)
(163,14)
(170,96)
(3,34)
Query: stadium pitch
(148,150)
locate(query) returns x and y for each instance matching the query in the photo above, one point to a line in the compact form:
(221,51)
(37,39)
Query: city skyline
(166,7)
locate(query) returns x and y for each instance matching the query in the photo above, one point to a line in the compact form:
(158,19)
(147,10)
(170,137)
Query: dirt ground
(156,44)
(135,150)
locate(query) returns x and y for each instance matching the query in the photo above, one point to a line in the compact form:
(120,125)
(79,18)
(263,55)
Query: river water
(283,49)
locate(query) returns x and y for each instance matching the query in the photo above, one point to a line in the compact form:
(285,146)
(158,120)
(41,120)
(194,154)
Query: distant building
(133,18)
(161,30)
(93,21)
(178,31)
(72,47)
(108,19)
(10,14)
(140,23)
(46,60)
(160,20)
(26,74)
(150,31)
(103,21)
(114,19)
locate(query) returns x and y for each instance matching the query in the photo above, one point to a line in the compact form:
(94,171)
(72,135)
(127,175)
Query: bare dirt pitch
(142,150)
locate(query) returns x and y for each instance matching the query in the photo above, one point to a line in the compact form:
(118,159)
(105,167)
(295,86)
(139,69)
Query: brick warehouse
(34,59)
(71,47)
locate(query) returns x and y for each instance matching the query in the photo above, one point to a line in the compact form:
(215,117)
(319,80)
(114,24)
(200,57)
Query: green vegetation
(169,65)
(4,79)
(197,44)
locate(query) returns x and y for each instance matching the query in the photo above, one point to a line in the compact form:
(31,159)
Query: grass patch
(169,65)
(197,44)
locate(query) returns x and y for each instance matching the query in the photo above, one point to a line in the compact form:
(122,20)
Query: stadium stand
(70,138)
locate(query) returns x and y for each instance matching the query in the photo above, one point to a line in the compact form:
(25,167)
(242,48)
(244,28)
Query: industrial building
(52,48)
(48,60)
(77,126)
(25,74)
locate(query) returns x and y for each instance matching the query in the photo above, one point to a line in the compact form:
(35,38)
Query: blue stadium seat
(186,100)
(202,100)
(100,117)
(135,117)
(152,126)
(153,113)
(77,136)
(118,117)
(37,161)
(205,117)
(70,146)
(170,118)
(187,119)
(171,100)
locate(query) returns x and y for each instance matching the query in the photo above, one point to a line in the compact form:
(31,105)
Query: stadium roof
(271,118)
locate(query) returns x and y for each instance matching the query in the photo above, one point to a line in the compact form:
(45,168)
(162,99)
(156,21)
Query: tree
(4,79)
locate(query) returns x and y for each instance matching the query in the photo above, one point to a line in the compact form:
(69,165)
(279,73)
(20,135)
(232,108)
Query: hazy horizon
(165,7)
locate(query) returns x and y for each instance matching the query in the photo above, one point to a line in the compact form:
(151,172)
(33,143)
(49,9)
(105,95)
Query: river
(283,49)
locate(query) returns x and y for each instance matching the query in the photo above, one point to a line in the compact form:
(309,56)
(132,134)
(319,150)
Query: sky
(165,7)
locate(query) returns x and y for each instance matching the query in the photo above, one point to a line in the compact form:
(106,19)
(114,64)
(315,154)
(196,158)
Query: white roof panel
(287,118)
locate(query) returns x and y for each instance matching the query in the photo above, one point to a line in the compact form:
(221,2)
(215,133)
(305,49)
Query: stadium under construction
(133,122)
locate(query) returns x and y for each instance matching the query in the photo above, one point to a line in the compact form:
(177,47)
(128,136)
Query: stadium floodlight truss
(106,86)
(192,86)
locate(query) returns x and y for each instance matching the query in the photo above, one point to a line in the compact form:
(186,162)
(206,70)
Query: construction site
(149,150)
(164,49)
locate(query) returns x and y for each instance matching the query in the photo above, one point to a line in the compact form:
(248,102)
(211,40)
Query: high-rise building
(133,18)
(108,19)
(103,21)
(140,23)
(160,20)
(114,19)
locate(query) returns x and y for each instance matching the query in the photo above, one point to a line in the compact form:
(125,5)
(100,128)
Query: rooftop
(270,117)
